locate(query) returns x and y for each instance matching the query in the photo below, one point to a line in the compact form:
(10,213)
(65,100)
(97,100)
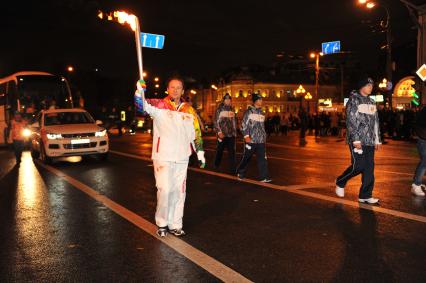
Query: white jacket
(173,134)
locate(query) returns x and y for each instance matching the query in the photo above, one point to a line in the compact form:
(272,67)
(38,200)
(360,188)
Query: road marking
(298,189)
(321,163)
(203,260)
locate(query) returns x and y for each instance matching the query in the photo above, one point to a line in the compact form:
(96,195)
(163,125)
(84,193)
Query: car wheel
(46,159)
(103,156)
(34,154)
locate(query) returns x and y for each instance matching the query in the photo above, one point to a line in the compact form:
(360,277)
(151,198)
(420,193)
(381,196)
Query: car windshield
(65,118)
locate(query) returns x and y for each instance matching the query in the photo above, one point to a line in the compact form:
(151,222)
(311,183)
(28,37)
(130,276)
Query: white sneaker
(340,192)
(369,200)
(417,190)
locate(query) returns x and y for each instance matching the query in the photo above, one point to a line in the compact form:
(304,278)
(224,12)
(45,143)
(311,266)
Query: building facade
(277,97)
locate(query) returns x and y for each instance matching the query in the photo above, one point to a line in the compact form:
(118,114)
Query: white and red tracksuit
(173,135)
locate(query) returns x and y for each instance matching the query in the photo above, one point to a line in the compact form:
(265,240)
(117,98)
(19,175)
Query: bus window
(42,92)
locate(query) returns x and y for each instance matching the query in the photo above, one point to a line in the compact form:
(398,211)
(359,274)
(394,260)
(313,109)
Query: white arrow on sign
(157,39)
(144,39)
(326,47)
(335,47)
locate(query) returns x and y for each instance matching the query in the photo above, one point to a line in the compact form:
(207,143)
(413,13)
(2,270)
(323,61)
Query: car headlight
(54,136)
(100,133)
(26,133)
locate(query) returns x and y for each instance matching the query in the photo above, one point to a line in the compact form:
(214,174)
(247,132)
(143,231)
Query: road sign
(152,40)
(330,47)
(422,72)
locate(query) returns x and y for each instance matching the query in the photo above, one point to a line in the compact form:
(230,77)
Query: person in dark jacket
(363,137)
(226,130)
(253,129)
(417,187)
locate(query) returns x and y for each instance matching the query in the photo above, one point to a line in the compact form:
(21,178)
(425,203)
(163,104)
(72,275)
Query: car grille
(78,146)
(79,135)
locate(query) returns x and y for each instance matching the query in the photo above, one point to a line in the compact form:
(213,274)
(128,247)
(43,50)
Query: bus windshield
(37,92)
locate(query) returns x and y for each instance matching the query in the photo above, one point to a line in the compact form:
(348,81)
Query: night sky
(203,38)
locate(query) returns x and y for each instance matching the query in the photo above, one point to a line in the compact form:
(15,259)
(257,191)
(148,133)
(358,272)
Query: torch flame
(124,18)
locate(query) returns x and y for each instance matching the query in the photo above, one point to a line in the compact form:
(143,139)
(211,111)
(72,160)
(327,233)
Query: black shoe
(162,232)
(177,232)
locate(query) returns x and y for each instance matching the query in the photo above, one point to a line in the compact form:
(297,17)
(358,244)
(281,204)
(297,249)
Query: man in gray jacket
(363,137)
(253,129)
(226,129)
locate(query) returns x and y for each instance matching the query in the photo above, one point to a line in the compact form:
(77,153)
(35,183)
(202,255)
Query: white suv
(67,132)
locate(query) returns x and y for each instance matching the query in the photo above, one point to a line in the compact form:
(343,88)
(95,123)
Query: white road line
(203,260)
(322,163)
(298,189)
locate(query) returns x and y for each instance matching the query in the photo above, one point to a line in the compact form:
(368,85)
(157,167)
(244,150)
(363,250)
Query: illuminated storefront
(404,94)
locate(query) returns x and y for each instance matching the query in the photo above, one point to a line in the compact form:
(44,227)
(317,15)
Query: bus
(29,92)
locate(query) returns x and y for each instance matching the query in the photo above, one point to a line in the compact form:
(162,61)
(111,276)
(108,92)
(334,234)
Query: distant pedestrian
(253,129)
(18,126)
(417,186)
(363,137)
(226,130)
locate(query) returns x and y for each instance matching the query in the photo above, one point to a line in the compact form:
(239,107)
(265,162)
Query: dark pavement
(50,231)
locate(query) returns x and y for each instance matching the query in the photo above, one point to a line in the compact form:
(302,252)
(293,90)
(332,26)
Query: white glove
(201,158)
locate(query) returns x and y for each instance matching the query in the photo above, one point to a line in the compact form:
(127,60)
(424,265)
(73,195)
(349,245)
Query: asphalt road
(86,221)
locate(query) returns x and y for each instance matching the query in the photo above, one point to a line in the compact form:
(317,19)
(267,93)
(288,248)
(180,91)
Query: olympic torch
(133,21)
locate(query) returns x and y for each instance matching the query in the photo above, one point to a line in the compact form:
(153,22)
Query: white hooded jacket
(174,134)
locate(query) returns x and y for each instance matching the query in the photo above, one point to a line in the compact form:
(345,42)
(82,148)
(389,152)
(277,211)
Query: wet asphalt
(52,232)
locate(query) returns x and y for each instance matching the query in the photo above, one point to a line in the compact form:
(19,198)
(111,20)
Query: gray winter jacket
(362,120)
(253,125)
(225,121)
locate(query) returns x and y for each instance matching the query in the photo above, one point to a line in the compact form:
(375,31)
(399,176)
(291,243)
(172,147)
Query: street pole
(317,70)
(388,51)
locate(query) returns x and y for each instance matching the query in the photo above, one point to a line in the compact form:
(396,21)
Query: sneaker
(162,232)
(177,232)
(417,190)
(266,180)
(369,200)
(340,192)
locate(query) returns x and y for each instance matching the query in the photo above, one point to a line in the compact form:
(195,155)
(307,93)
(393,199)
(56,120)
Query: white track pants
(170,178)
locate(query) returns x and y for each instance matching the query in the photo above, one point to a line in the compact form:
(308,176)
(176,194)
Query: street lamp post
(300,91)
(387,26)
(308,98)
(317,56)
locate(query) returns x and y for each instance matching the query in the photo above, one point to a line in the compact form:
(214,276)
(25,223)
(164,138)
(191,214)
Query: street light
(70,69)
(300,91)
(308,98)
(383,84)
(193,91)
(214,87)
(156,79)
(387,26)
(317,56)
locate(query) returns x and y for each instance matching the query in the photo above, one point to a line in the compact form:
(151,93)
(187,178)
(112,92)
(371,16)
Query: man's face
(227,102)
(258,103)
(366,90)
(175,89)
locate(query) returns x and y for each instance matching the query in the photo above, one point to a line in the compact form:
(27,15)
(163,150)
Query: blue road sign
(152,40)
(330,47)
